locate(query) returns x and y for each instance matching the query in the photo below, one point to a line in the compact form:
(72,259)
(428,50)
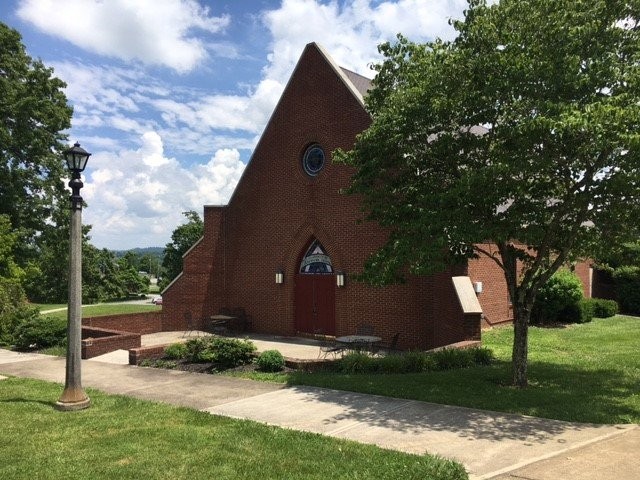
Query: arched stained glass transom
(316,260)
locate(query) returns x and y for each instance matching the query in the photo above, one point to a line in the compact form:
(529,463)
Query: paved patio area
(290,347)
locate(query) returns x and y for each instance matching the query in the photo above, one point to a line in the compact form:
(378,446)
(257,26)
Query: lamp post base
(73,399)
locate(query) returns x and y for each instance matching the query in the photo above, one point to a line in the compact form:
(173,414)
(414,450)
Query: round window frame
(306,160)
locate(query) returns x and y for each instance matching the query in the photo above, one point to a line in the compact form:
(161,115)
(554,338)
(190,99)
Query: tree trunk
(519,357)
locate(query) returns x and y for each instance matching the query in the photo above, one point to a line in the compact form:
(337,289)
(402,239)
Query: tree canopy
(522,132)
(182,239)
(33,116)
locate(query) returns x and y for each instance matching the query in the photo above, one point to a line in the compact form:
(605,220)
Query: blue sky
(171,96)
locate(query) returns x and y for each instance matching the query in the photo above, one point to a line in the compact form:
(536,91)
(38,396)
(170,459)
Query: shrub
(231,352)
(356,362)
(586,311)
(603,308)
(429,363)
(14,309)
(393,364)
(197,350)
(224,352)
(449,358)
(40,332)
(176,351)
(417,362)
(628,287)
(482,355)
(580,312)
(270,361)
(558,299)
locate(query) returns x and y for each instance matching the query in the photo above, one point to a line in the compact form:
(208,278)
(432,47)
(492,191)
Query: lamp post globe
(73,397)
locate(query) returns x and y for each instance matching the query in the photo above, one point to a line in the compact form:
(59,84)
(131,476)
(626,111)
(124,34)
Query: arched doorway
(315,293)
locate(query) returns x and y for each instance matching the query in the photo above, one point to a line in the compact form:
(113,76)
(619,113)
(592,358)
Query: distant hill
(153,251)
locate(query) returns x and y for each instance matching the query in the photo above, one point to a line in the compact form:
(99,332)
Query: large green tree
(523,132)
(13,302)
(182,239)
(33,113)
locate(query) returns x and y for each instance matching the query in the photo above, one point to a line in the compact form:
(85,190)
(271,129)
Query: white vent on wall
(477,287)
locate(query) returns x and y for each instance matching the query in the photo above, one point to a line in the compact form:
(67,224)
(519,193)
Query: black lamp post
(73,396)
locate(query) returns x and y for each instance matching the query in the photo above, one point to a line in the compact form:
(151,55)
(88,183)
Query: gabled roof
(354,82)
(362,84)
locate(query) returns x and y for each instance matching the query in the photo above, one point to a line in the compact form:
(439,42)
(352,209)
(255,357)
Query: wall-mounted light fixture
(340,279)
(477,287)
(279,276)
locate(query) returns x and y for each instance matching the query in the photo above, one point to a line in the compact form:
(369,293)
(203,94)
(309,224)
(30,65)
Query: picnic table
(359,343)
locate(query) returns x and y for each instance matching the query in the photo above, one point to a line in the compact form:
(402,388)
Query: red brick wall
(98,341)
(583,271)
(199,291)
(143,323)
(137,355)
(494,299)
(275,212)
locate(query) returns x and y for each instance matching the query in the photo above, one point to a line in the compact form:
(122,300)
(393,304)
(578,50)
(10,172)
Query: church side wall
(494,299)
(198,292)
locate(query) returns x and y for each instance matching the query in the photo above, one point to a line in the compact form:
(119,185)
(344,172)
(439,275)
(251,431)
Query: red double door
(315,303)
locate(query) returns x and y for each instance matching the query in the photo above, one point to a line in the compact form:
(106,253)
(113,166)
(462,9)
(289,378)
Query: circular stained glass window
(313,160)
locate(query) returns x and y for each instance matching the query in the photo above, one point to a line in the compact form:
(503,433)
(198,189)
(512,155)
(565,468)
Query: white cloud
(200,121)
(155,32)
(136,197)
(136,191)
(217,179)
(351,31)
(189,120)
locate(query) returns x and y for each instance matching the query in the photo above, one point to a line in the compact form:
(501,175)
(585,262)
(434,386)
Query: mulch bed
(205,367)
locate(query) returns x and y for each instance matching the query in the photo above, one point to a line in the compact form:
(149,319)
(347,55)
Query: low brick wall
(137,355)
(143,323)
(473,326)
(98,341)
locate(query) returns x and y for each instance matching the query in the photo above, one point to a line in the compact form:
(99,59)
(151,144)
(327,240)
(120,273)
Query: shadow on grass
(29,401)
(556,392)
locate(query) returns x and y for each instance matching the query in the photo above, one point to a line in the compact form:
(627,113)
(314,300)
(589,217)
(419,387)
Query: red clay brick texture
(494,298)
(277,210)
(137,355)
(98,341)
(143,323)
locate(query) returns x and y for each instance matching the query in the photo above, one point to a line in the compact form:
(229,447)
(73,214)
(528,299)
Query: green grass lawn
(124,438)
(583,373)
(48,306)
(107,309)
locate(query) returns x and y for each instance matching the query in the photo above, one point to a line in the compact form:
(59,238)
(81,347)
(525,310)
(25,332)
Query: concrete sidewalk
(489,444)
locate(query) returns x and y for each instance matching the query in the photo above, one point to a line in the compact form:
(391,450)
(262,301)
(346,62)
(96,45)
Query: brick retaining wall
(137,355)
(142,323)
(98,341)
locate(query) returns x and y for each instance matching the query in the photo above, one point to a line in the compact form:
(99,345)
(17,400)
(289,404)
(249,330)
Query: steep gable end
(319,92)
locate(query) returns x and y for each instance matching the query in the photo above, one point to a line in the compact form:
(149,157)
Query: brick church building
(284,246)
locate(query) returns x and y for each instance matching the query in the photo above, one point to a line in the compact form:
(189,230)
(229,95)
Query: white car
(157,301)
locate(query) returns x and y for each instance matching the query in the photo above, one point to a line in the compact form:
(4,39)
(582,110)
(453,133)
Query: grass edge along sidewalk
(121,437)
(584,373)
